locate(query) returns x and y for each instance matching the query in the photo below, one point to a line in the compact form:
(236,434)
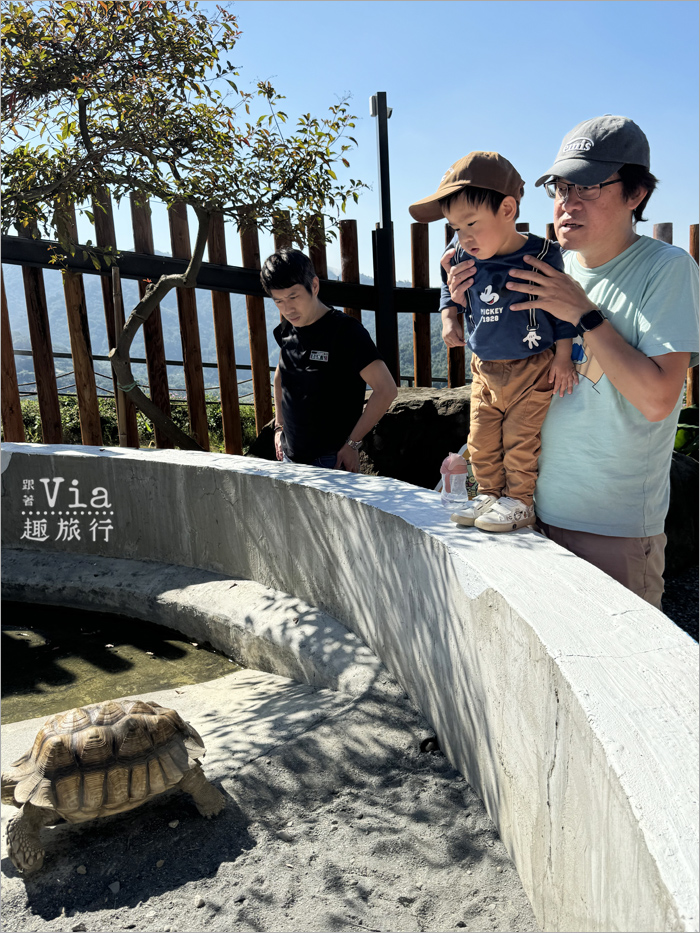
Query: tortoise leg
(23,840)
(208,800)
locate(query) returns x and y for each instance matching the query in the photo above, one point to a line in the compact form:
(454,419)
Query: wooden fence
(221,280)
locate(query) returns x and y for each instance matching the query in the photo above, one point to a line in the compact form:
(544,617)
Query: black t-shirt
(322,390)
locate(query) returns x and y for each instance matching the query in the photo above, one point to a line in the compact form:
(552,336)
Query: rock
(199,902)
(460,923)
(79,928)
(173,823)
(114,887)
(284,835)
(264,444)
(81,870)
(681,526)
(160,863)
(410,442)
(413,438)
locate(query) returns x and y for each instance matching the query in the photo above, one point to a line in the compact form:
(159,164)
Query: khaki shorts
(637,563)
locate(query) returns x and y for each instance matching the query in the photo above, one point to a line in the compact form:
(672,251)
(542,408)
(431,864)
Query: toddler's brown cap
(480,169)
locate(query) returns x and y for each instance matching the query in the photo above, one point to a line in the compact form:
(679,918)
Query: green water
(54,658)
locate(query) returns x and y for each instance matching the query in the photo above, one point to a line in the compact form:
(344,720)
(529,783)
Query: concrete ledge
(258,626)
(568,703)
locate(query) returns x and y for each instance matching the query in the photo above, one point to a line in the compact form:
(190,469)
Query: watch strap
(354,444)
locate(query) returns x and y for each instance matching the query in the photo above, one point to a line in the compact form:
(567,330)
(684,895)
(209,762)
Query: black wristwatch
(589,321)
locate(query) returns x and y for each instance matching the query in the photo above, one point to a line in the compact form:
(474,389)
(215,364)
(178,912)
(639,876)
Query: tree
(127,96)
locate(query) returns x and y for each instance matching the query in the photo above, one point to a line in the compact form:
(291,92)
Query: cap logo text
(580,144)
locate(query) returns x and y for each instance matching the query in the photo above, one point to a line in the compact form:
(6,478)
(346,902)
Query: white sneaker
(506,515)
(476,507)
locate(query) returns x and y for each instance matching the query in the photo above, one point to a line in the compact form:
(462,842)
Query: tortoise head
(9,782)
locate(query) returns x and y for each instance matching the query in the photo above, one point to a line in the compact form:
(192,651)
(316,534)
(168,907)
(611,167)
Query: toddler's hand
(564,376)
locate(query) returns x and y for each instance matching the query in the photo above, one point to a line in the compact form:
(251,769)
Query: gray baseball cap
(597,148)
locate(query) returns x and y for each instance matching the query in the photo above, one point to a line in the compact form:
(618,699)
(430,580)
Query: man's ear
(636,199)
(315,285)
(509,207)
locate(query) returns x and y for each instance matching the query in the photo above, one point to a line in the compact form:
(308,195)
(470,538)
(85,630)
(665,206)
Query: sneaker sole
(503,526)
(462,519)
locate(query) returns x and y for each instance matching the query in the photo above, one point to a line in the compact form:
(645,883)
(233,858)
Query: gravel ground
(680,601)
(348,826)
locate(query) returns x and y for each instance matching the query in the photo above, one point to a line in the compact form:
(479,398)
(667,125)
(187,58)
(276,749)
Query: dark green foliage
(687,433)
(70,421)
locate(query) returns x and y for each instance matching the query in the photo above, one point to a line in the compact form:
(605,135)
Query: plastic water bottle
(454,494)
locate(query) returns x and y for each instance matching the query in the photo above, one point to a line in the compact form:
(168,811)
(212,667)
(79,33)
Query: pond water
(55,658)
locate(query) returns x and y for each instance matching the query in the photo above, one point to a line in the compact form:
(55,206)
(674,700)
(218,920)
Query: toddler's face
(481,233)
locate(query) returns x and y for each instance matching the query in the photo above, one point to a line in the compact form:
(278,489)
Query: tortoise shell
(105,758)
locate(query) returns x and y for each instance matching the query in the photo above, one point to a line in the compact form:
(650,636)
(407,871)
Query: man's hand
(279,453)
(459,277)
(554,291)
(563,374)
(348,459)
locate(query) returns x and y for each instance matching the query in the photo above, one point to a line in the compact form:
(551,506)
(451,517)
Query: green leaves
(124,96)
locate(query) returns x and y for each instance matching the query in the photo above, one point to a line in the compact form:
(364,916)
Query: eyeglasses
(560,190)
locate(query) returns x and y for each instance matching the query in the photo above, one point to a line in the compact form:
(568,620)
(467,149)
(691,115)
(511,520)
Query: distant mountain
(171,331)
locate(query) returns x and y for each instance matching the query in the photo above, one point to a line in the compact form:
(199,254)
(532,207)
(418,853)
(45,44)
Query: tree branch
(119,356)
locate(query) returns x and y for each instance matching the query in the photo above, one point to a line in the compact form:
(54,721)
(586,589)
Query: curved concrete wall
(568,703)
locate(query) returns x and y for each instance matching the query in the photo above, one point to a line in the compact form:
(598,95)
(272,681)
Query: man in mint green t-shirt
(604,471)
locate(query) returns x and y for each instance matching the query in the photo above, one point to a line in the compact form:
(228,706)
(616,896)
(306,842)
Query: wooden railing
(221,280)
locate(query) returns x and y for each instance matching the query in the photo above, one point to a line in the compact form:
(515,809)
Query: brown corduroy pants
(509,402)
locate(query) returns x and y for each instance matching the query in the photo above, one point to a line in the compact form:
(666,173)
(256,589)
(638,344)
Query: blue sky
(513,77)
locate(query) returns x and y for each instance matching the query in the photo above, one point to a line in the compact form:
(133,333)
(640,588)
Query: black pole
(385,316)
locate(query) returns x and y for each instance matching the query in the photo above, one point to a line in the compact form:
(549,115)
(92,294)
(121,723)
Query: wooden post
(691,395)
(153,327)
(12,424)
(456,374)
(44,371)
(105,236)
(420,278)
(522,227)
(257,333)
(225,351)
(189,329)
(386,321)
(282,231)
(663,232)
(81,351)
(349,260)
(317,247)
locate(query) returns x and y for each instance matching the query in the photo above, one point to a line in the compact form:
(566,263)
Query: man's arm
(651,384)
(383,387)
(277,388)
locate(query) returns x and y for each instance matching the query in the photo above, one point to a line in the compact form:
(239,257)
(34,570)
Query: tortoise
(99,760)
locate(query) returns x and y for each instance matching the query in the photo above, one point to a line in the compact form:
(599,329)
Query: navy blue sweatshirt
(493,330)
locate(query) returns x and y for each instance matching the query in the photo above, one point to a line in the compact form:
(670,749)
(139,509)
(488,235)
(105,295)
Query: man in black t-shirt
(326,357)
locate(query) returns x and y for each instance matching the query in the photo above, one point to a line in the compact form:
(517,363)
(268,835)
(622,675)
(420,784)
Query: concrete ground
(335,820)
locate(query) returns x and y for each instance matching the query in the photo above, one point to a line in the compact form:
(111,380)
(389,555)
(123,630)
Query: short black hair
(286,268)
(476,197)
(633,178)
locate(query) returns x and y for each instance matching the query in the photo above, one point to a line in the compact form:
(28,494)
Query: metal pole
(386,322)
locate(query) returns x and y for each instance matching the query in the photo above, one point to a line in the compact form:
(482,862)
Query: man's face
(580,225)
(296,304)
(481,233)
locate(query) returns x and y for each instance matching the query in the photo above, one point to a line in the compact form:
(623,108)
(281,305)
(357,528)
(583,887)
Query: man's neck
(599,254)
